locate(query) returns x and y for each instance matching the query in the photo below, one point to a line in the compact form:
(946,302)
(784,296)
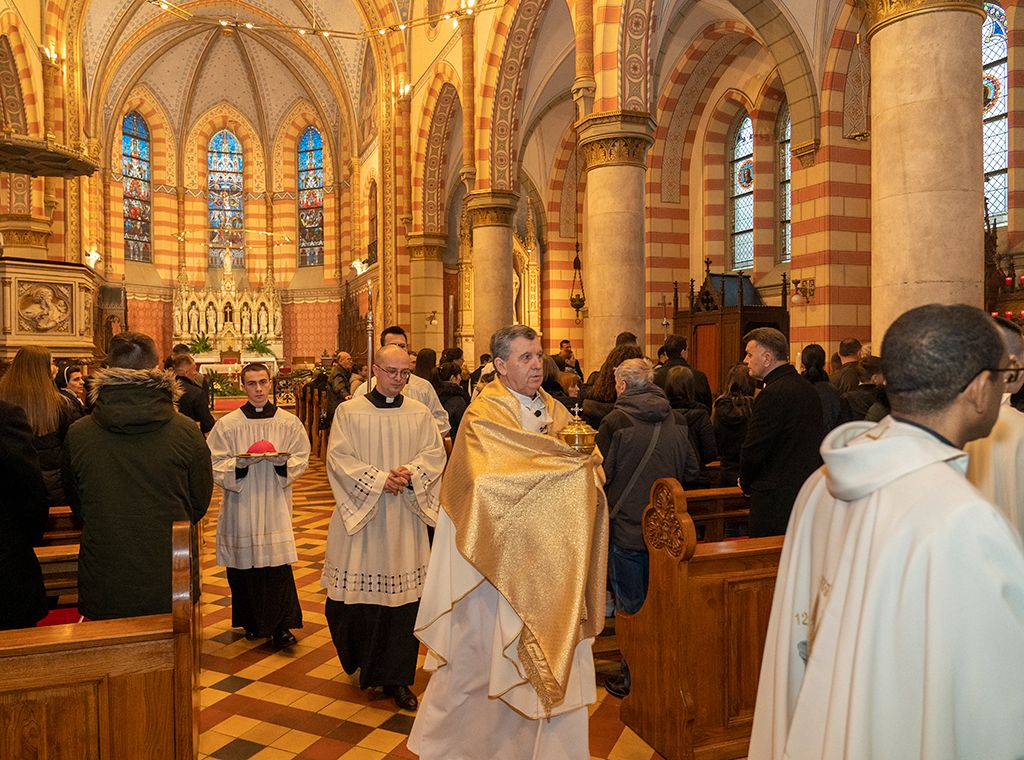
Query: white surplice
(996,464)
(421,390)
(254,528)
(377,546)
(479,704)
(904,589)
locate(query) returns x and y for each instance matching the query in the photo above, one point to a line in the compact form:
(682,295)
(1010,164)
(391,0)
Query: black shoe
(251,635)
(403,697)
(616,686)
(284,638)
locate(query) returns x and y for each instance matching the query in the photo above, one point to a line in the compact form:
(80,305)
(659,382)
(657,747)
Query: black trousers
(264,599)
(377,640)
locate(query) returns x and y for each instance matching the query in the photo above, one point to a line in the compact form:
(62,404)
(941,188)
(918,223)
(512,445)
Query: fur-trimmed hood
(133,400)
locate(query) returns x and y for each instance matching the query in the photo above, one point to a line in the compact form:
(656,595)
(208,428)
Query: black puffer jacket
(455,401)
(623,439)
(23,515)
(132,468)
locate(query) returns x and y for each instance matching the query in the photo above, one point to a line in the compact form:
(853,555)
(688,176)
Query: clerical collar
(525,400)
(381,401)
(252,413)
(926,429)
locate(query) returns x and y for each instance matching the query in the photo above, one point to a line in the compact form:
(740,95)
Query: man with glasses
(417,387)
(996,464)
(897,624)
(384,464)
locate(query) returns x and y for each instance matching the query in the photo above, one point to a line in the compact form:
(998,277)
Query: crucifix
(665,322)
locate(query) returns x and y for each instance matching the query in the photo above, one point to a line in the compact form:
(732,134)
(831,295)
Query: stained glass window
(995,127)
(135,178)
(784,195)
(741,190)
(311,198)
(224,193)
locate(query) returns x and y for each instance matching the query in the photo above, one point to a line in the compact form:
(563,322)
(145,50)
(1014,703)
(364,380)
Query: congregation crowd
(427,543)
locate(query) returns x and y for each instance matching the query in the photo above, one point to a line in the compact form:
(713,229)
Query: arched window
(784,194)
(135,178)
(371,238)
(311,198)
(224,193)
(995,126)
(741,193)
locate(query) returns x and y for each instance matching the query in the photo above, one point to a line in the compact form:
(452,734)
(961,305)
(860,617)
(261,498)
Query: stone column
(426,279)
(614,148)
(927,197)
(584,85)
(468,171)
(490,217)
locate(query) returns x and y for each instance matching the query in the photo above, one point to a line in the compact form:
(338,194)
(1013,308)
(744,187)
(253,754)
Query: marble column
(490,217)
(614,149)
(426,280)
(927,197)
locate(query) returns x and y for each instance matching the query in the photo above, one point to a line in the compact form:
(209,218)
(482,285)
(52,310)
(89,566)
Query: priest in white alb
(897,625)
(996,462)
(384,464)
(258,451)
(515,593)
(416,388)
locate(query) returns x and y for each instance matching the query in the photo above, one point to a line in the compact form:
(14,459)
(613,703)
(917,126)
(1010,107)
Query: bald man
(384,464)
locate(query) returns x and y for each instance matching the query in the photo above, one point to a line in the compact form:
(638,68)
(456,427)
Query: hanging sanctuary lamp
(577,293)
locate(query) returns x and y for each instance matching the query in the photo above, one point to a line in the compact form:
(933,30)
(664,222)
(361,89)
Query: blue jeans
(629,572)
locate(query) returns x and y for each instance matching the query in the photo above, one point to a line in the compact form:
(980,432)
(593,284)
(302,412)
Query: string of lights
(466,8)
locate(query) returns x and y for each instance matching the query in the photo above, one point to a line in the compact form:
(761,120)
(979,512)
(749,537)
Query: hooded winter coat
(622,439)
(132,468)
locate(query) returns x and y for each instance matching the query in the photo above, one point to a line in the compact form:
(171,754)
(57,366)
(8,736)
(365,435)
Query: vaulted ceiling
(192,64)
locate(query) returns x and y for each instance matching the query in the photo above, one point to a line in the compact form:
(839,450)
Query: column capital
(881,13)
(616,138)
(426,247)
(491,208)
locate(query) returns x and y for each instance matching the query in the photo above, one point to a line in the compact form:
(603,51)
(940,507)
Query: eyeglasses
(1012,374)
(394,373)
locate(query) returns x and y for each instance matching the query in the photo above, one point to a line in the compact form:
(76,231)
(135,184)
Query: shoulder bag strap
(637,472)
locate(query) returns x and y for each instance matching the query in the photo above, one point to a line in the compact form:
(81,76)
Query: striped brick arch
(508,101)
(563,221)
(163,180)
(430,160)
(765,116)
(716,139)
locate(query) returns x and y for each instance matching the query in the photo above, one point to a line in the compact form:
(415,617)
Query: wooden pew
(694,648)
(110,689)
(714,509)
(59,564)
(61,527)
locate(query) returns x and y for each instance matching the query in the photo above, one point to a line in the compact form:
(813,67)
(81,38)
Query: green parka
(132,468)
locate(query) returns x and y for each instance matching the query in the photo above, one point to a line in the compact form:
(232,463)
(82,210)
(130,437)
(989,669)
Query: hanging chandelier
(577,298)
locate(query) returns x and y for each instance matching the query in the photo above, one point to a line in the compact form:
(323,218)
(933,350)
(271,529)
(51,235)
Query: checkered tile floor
(268,705)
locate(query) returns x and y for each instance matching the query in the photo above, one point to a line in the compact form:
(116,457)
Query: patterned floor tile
(261,704)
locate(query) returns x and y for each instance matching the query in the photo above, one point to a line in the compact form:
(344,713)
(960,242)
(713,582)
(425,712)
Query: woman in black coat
(681,391)
(834,411)
(729,419)
(23,514)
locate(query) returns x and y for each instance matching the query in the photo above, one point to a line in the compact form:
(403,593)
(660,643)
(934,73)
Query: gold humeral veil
(531,516)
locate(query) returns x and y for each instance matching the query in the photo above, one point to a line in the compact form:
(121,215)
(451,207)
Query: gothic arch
(430,158)
(302,114)
(781,40)
(684,99)
(163,158)
(223,116)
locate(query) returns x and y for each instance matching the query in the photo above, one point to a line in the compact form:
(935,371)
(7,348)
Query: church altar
(211,363)
(228,315)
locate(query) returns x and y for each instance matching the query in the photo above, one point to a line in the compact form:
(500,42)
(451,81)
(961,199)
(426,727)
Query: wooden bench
(694,648)
(716,509)
(123,689)
(59,564)
(62,527)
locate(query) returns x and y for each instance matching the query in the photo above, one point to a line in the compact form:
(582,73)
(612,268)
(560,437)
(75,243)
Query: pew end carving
(694,648)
